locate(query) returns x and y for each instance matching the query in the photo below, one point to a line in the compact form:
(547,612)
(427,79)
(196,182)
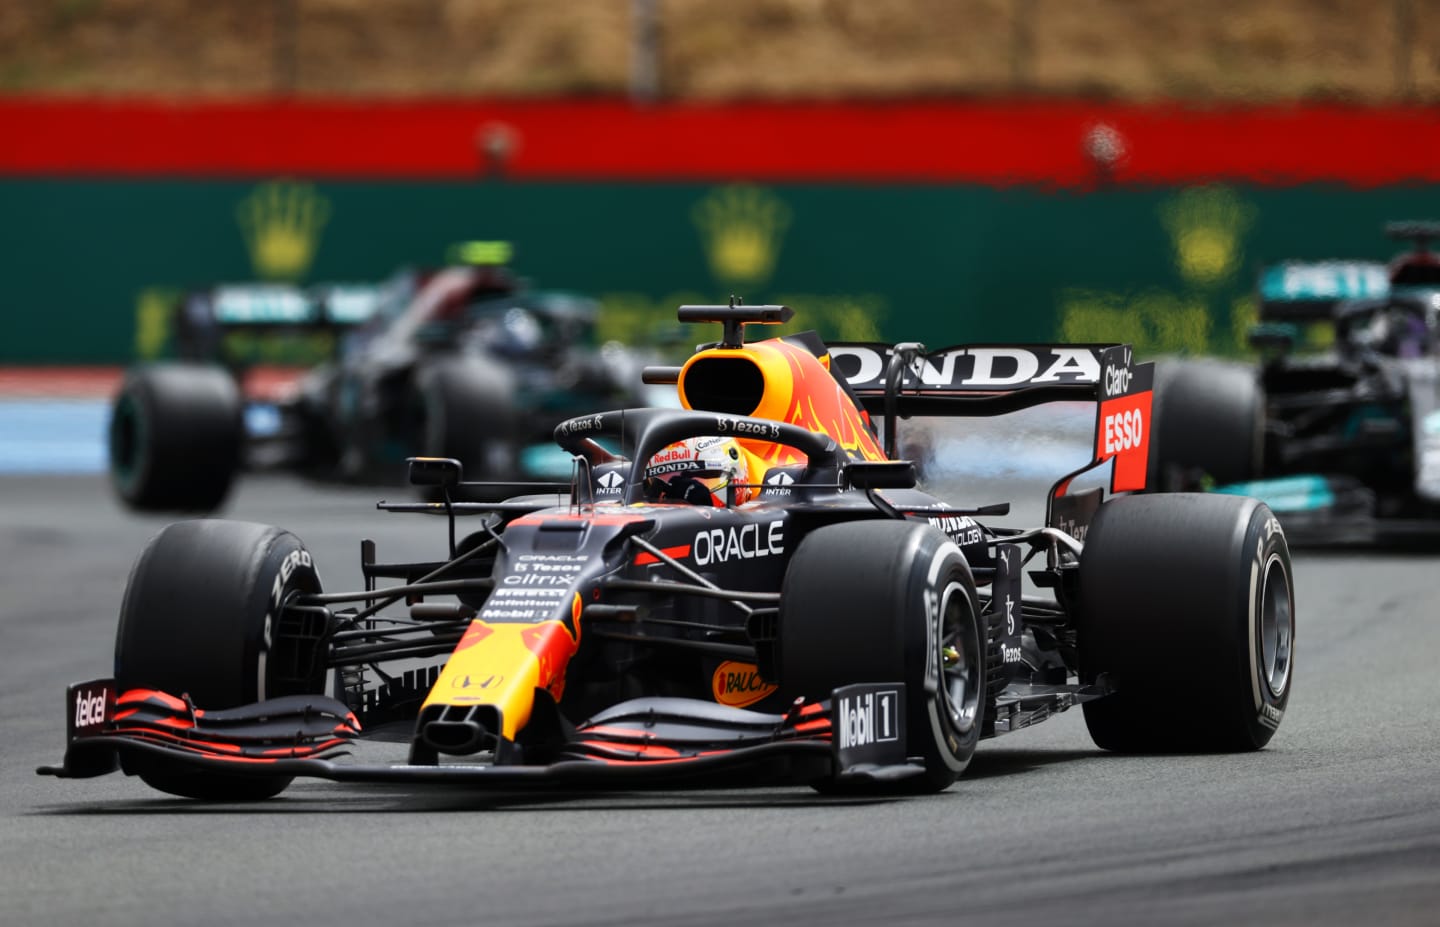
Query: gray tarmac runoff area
(1336,822)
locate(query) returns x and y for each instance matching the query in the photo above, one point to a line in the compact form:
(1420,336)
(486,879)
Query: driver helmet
(514,333)
(1406,335)
(700,471)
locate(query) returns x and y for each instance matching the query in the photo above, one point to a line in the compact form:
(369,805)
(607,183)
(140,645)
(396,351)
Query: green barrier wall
(88,266)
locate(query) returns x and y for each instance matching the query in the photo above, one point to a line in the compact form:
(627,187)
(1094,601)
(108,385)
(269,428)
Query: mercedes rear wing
(904,380)
(230,322)
(285,305)
(1309,291)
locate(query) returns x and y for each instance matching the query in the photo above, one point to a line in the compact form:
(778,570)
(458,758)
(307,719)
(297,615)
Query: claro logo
(739,684)
(1117,380)
(719,545)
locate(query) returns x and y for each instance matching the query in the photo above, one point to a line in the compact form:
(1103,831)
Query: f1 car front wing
(640,742)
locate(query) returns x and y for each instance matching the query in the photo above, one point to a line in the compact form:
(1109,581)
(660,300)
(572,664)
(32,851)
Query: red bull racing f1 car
(749,584)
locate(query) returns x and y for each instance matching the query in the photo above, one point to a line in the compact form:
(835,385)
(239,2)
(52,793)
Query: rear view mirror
(434,471)
(660,376)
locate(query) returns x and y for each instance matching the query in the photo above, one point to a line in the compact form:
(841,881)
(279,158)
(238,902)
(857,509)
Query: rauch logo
(739,684)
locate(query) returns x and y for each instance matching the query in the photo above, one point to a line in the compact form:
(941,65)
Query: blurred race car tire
(1209,424)
(176,437)
(468,413)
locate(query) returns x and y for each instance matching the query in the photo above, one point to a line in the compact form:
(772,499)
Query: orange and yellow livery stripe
(799,390)
(503,665)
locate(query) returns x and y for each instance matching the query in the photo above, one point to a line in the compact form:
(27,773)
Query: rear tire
(202,616)
(176,437)
(880,601)
(1186,606)
(1209,424)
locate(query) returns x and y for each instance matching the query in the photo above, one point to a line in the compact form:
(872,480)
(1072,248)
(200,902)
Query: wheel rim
(961,666)
(1277,627)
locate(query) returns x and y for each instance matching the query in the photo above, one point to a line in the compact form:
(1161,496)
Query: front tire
(176,437)
(888,601)
(1186,607)
(203,616)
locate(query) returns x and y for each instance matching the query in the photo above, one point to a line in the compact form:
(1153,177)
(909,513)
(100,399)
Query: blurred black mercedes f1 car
(1343,442)
(747,586)
(464,362)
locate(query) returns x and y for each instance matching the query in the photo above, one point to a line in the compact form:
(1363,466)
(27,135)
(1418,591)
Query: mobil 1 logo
(867,724)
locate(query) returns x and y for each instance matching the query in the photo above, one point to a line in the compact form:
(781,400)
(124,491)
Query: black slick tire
(468,413)
(1209,424)
(176,437)
(1187,610)
(202,617)
(883,601)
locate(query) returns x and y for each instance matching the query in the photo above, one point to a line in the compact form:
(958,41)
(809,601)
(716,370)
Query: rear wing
(282,305)
(904,380)
(1308,291)
(231,323)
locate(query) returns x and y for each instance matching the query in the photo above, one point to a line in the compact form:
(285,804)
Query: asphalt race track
(1338,822)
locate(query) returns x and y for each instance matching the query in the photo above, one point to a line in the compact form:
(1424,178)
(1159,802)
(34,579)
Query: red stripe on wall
(985,142)
(268,384)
